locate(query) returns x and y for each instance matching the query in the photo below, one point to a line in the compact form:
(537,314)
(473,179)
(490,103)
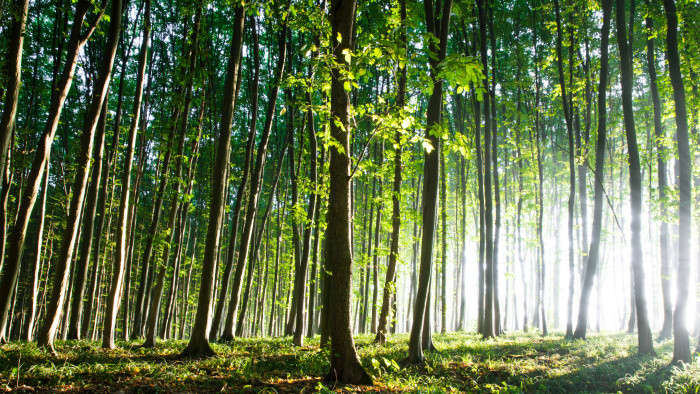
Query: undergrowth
(516,362)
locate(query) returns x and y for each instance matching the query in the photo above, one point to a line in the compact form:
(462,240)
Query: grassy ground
(513,363)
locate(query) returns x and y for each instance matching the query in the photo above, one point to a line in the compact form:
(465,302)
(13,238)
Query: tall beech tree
(77,39)
(70,234)
(255,186)
(18,12)
(596,229)
(116,284)
(390,281)
(667,328)
(345,366)
(681,342)
(198,345)
(437,20)
(635,178)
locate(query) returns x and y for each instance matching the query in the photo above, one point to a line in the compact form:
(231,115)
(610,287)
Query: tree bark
(255,186)
(198,345)
(18,11)
(635,179)
(19,231)
(115,291)
(345,366)
(594,249)
(438,26)
(681,343)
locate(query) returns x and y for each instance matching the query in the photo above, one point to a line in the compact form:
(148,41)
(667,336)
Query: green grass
(513,363)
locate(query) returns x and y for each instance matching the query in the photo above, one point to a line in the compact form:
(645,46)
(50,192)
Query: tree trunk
(681,343)
(258,239)
(438,25)
(299,291)
(18,11)
(572,172)
(240,193)
(198,345)
(28,331)
(19,231)
(390,281)
(496,186)
(255,185)
(594,250)
(443,268)
(489,315)
(643,328)
(88,227)
(667,329)
(345,366)
(115,292)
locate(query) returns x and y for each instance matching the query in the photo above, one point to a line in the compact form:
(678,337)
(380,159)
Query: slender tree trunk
(594,250)
(18,12)
(298,339)
(438,25)
(443,212)
(643,328)
(345,366)
(262,223)
(572,171)
(390,281)
(240,193)
(198,345)
(88,227)
(115,291)
(489,315)
(681,343)
(496,187)
(70,235)
(28,331)
(19,231)
(255,185)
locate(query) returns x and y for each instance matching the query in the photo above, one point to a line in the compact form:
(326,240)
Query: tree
(70,234)
(115,290)
(572,173)
(667,328)
(437,19)
(198,345)
(389,283)
(681,343)
(76,41)
(643,328)
(345,367)
(594,249)
(255,186)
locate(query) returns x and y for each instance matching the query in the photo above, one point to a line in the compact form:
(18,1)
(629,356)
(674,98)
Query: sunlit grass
(512,363)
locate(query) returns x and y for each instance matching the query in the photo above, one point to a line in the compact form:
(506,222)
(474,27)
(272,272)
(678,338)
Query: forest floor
(513,363)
